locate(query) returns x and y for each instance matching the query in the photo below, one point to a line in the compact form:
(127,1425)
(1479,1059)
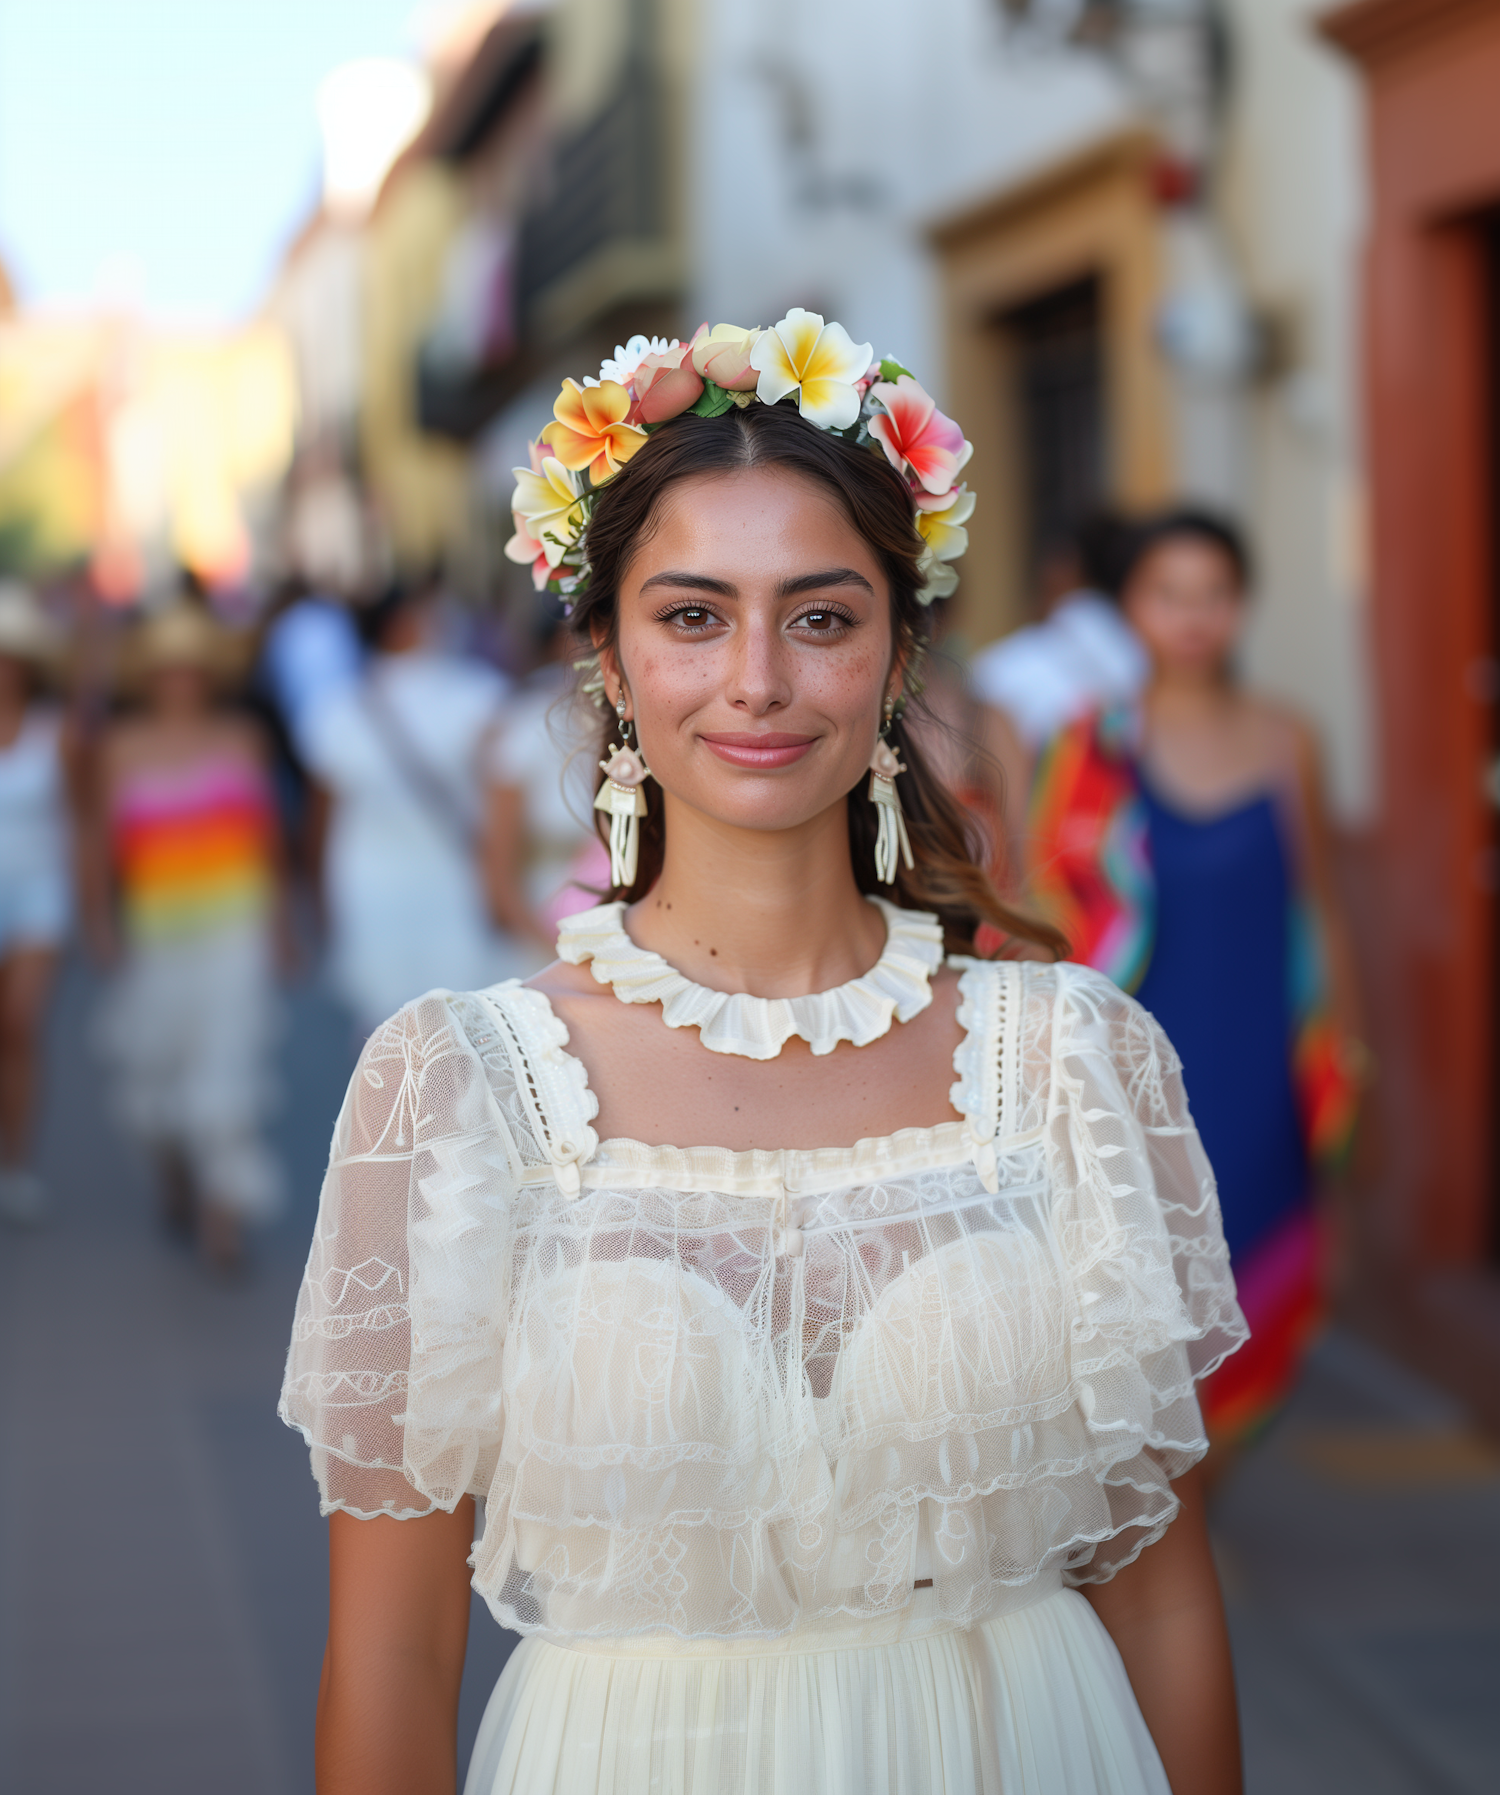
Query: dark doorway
(1059,376)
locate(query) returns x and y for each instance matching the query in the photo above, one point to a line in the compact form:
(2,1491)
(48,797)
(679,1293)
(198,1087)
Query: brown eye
(820,620)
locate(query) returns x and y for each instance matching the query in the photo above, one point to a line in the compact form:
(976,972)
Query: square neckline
(561,1105)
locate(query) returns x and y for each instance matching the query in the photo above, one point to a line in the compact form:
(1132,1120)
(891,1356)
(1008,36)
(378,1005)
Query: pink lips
(761,752)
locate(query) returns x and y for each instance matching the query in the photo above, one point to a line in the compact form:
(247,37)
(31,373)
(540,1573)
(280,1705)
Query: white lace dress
(790,1461)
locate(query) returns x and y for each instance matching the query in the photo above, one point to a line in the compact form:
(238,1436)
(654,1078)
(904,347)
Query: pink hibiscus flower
(916,435)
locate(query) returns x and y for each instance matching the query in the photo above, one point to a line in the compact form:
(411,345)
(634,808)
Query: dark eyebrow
(804,582)
(819,582)
(692,582)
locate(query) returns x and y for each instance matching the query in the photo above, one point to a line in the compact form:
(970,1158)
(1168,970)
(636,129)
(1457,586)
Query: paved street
(162,1565)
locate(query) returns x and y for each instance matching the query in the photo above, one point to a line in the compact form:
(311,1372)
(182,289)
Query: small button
(564,1151)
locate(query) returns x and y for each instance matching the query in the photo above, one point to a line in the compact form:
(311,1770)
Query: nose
(759,677)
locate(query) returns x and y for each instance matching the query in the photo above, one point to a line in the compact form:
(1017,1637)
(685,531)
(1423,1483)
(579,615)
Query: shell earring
(891,836)
(622,798)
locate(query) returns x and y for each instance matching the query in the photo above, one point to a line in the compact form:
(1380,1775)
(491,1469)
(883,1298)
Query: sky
(166,151)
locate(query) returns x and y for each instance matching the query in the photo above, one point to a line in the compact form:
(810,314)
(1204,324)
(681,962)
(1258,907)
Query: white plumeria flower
(941,580)
(629,356)
(818,362)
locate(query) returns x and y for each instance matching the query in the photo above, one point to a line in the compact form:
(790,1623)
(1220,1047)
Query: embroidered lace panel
(725,1395)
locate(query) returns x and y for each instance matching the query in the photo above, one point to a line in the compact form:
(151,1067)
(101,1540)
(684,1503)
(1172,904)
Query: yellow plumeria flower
(941,520)
(723,356)
(818,362)
(552,504)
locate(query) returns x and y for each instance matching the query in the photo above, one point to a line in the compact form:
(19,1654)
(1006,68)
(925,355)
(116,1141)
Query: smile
(762,753)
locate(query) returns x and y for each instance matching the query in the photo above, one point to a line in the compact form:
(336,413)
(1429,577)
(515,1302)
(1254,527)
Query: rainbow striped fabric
(192,848)
(1090,873)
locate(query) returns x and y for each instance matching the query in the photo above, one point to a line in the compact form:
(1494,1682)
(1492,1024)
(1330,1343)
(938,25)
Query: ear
(901,660)
(614,679)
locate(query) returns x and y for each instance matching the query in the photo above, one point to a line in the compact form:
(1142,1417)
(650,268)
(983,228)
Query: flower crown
(598,426)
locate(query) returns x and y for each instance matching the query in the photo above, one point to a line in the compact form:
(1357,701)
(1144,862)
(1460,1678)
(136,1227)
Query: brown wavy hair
(945,841)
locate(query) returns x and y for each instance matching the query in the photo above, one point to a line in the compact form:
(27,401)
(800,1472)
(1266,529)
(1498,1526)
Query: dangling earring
(621,796)
(885,764)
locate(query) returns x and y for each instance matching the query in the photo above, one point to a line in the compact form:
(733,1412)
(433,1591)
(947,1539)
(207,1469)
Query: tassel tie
(624,801)
(890,837)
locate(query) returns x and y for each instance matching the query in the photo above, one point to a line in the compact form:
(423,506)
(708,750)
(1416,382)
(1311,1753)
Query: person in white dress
(1083,656)
(38,781)
(542,857)
(400,755)
(788,1321)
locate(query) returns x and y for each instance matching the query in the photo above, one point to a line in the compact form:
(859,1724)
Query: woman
(37,774)
(189,899)
(541,856)
(1187,854)
(399,755)
(821,1457)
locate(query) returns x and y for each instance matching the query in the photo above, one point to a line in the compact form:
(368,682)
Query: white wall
(892,113)
(1293,205)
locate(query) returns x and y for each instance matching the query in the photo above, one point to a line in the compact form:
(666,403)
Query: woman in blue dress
(1184,850)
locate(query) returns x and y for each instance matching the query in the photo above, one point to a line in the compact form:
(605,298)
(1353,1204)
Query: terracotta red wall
(1433,86)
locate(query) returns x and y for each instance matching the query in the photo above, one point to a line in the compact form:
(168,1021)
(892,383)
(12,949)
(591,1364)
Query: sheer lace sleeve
(390,1376)
(1137,1221)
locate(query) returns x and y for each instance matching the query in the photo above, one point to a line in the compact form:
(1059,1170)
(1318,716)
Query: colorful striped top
(192,847)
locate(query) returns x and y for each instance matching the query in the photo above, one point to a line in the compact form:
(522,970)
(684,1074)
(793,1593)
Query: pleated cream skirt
(1033,1703)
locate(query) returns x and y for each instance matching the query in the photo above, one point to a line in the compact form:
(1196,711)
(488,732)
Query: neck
(774,914)
(1185,694)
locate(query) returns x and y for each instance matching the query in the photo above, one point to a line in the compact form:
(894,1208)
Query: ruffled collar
(756,1028)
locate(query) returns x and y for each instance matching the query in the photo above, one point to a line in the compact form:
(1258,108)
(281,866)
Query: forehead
(1188,556)
(750,520)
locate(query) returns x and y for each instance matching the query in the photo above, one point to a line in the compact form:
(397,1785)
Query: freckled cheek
(671,687)
(847,686)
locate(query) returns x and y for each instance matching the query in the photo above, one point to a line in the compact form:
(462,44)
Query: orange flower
(591,430)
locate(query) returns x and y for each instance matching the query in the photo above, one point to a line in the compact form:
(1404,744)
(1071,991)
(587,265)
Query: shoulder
(562,980)
(439,1025)
(427,1073)
(1077,1010)
(1283,732)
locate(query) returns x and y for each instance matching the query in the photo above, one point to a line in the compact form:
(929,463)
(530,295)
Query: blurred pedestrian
(38,765)
(543,859)
(311,649)
(1185,851)
(188,900)
(401,754)
(1082,656)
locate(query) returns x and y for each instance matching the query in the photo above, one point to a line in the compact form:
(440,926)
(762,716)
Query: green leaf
(892,370)
(712,402)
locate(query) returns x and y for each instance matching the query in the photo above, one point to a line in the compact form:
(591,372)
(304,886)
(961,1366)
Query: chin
(763,803)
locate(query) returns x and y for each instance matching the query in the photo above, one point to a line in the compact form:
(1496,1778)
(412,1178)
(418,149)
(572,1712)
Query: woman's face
(180,689)
(1185,602)
(15,680)
(755,643)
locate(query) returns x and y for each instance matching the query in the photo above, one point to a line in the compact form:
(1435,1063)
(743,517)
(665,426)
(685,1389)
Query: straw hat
(183,635)
(26,631)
